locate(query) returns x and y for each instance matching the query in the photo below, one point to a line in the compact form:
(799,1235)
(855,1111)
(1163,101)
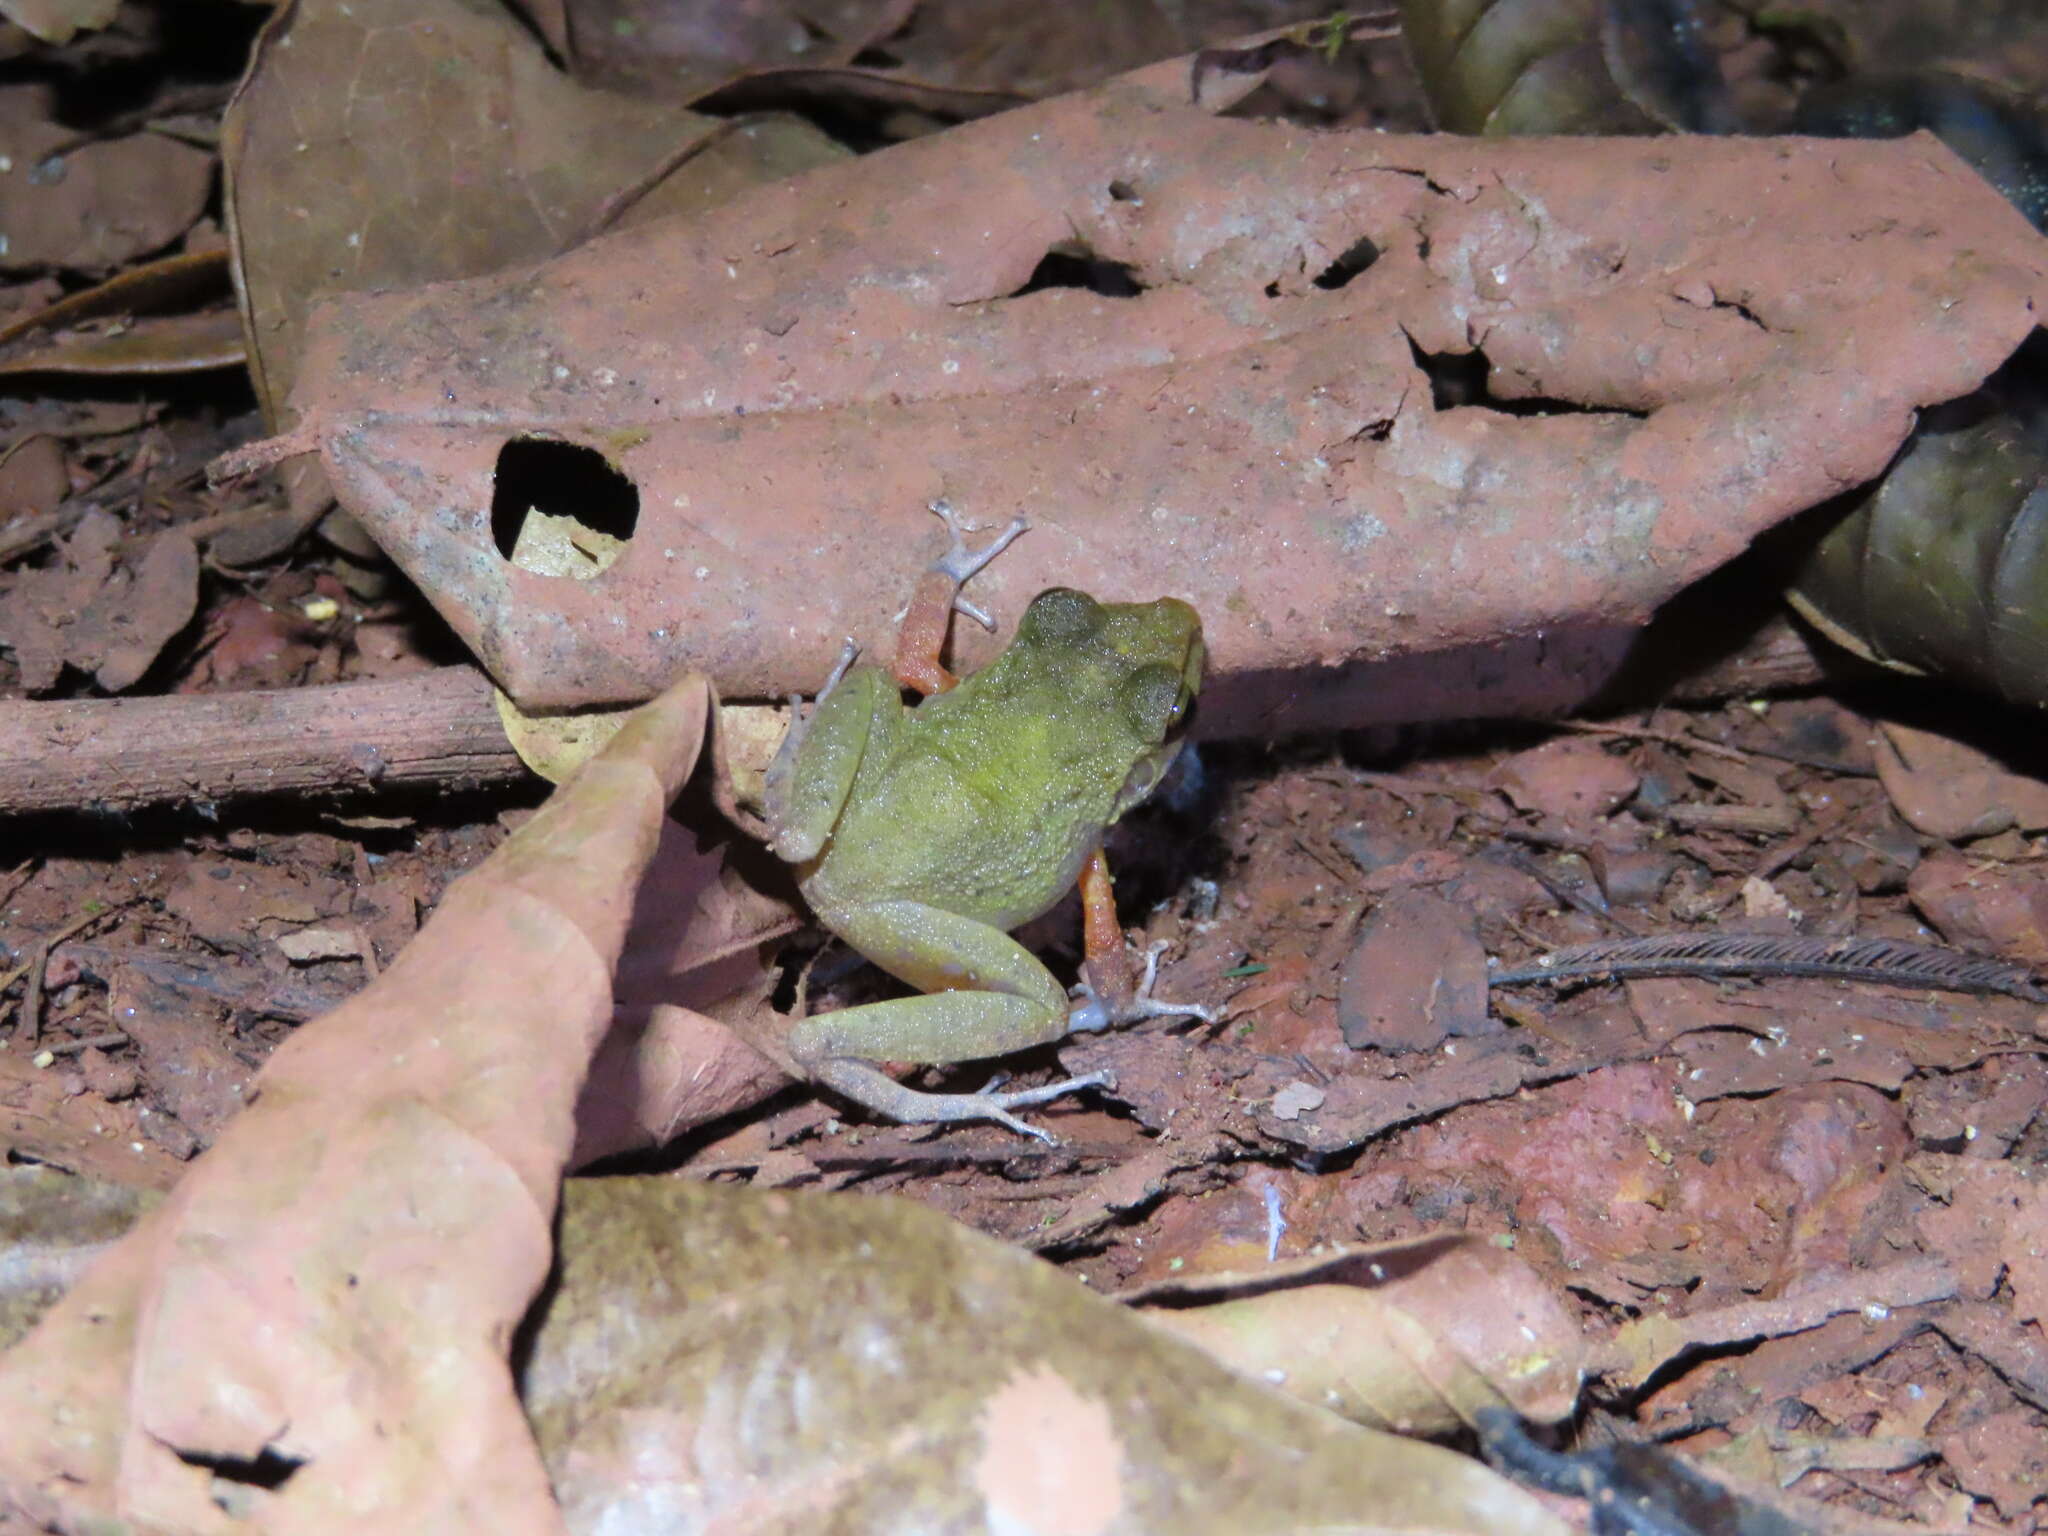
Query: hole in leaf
(1455,378)
(1123,192)
(1074,265)
(1461,379)
(269,1470)
(560,509)
(1356,257)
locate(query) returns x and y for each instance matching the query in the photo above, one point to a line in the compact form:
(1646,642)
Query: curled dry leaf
(761,403)
(378,1218)
(166,344)
(166,285)
(1415,1336)
(719,1357)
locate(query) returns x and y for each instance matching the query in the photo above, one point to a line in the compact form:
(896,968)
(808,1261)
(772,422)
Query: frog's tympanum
(922,835)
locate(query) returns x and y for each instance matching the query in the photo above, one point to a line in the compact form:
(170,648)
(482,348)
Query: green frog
(923,835)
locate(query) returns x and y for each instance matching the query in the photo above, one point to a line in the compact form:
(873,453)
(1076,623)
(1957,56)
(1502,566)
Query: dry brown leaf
(168,283)
(1950,789)
(35,476)
(682,51)
(985,1388)
(1985,906)
(148,323)
(764,403)
(378,143)
(98,205)
(698,953)
(720,1358)
(162,344)
(1416,974)
(378,1218)
(102,607)
(1642,1349)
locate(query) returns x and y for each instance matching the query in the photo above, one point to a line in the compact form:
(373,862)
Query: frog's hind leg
(985,994)
(988,996)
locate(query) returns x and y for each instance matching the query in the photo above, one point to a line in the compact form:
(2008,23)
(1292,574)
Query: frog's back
(991,821)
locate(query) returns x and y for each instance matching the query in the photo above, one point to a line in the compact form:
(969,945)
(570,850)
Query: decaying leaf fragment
(1686,342)
(1415,1336)
(105,607)
(775,1362)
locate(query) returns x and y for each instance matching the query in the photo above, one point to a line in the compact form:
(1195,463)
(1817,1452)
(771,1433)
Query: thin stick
(105,1042)
(434,729)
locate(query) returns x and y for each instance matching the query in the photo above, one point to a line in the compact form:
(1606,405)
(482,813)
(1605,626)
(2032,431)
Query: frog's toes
(997,1106)
(848,651)
(959,562)
(878,1091)
(1145,1006)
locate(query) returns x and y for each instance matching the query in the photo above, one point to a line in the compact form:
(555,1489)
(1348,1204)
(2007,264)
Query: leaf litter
(1666,1151)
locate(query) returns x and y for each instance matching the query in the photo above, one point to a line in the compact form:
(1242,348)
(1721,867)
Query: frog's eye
(1154,700)
(1060,616)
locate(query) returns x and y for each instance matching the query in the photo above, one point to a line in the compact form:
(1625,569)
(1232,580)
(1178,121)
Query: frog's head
(1141,661)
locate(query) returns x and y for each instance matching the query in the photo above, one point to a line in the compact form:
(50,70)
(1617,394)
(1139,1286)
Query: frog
(923,834)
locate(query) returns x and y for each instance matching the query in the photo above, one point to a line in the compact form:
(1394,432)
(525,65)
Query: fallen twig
(432,729)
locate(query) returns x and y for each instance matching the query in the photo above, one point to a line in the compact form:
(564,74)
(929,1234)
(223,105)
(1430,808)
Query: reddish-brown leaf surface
(791,384)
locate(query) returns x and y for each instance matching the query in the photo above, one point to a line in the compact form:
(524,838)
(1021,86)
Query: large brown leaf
(334,1287)
(729,1359)
(1687,342)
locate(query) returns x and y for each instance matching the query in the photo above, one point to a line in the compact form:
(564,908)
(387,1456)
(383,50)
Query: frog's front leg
(985,995)
(814,769)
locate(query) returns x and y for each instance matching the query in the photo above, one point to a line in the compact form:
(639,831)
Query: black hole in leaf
(1123,192)
(1462,379)
(269,1470)
(1455,378)
(1357,256)
(565,480)
(1079,267)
